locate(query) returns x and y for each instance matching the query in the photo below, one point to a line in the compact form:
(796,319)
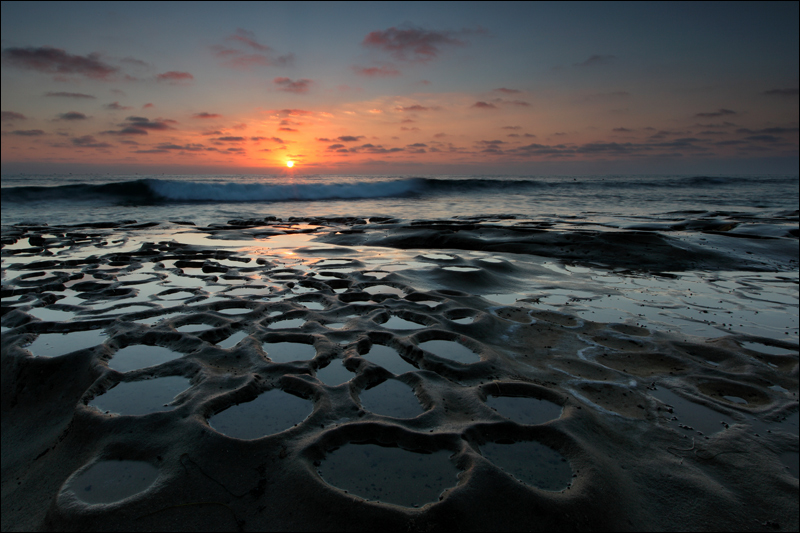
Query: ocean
(614,200)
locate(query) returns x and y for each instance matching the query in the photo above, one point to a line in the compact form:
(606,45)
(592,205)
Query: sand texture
(319,374)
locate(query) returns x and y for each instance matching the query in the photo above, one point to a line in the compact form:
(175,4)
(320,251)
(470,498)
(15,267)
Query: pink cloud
(206,115)
(174,77)
(12,115)
(289,86)
(483,105)
(377,72)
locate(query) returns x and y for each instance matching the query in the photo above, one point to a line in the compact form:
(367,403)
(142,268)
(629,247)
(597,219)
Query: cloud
(229,139)
(287,129)
(147,106)
(289,86)
(484,105)
(511,128)
(349,138)
(27,133)
(719,113)
(8,116)
(290,112)
(72,115)
(142,122)
(248,38)
(116,106)
(264,56)
(69,95)
(507,91)
(596,60)
(128,130)
(622,130)
(191,147)
(335,146)
(87,141)
(417,145)
(56,61)
(174,77)
(377,72)
(413,108)
(206,115)
(790,92)
(767,131)
(415,44)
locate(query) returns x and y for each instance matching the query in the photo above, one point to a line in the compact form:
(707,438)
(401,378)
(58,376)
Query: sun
(290,164)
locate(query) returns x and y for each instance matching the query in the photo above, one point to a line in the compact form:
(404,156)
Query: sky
(400,88)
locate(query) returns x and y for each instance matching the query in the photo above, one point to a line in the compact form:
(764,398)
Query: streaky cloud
(62,94)
(174,77)
(290,86)
(56,61)
(596,59)
(483,105)
(206,115)
(792,91)
(72,115)
(27,133)
(8,116)
(415,44)
(718,113)
(377,72)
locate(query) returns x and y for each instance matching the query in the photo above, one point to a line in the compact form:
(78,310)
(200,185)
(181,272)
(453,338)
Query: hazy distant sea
(204,199)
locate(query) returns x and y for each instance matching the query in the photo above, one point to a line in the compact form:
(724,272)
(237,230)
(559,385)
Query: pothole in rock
(272,412)
(400,323)
(53,344)
(691,416)
(391,398)
(233,340)
(234,311)
(180,295)
(384,289)
(334,374)
(524,410)
(51,315)
(189,328)
(389,475)
(288,323)
(139,356)
(451,350)
(141,397)
(112,481)
(389,359)
(284,352)
(530,462)
(764,348)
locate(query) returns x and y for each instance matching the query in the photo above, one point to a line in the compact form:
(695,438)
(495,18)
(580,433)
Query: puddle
(334,374)
(429,303)
(390,475)
(391,398)
(696,416)
(524,410)
(290,323)
(465,320)
(531,463)
(272,412)
(139,356)
(189,328)
(53,344)
(438,257)
(399,323)
(461,269)
(389,359)
(316,306)
(234,311)
(233,340)
(284,352)
(384,289)
(112,481)
(505,299)
(180,295)
(451,350)
(791,461)
(763,348)
(141,397)
(51,315)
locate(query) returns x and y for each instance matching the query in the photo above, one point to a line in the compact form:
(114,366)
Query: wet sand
(335,373)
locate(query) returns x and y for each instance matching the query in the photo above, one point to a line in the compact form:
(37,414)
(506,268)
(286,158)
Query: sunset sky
(399,88)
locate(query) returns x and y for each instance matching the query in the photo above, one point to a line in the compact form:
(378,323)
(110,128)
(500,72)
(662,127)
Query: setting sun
(290,164)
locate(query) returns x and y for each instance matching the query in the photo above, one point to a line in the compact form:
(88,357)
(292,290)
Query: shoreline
(668,415)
